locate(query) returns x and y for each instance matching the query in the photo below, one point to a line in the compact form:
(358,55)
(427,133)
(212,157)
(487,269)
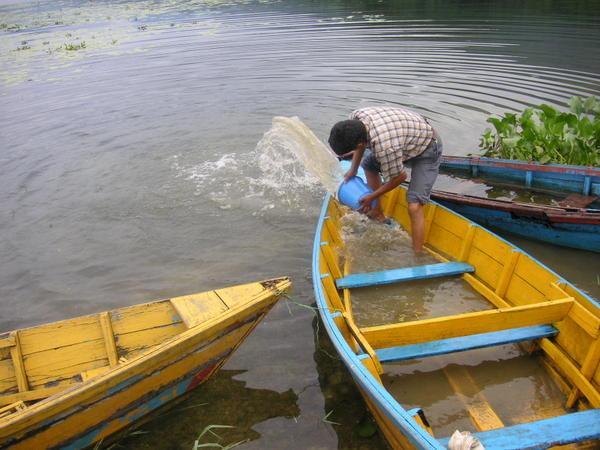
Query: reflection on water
(210,404)
(131,169)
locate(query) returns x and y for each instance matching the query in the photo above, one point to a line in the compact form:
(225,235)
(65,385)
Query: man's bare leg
(417,221)
(374,182)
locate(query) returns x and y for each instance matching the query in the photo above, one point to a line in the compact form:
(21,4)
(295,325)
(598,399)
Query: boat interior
(522,305)
(41,361)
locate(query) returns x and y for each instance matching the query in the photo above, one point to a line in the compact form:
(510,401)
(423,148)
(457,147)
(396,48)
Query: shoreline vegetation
(545,135)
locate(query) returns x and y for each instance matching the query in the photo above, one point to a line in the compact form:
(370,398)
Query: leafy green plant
(544,134)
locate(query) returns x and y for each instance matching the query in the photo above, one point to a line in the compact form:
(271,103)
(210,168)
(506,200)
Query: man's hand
(366,203)
(351,173)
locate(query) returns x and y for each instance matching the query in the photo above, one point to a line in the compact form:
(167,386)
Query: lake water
(130,167)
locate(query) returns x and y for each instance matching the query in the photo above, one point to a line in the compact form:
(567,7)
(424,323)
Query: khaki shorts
(424,170)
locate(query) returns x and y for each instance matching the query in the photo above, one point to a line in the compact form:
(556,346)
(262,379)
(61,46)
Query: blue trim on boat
(580,236)
(576,427)
(464,343)
(551,176)
(420,438)
(357,280)
(362,377)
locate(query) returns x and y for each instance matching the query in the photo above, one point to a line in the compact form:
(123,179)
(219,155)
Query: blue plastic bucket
(351,191)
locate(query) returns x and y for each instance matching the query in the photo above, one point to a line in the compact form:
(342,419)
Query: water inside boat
(499,386)
(461,182)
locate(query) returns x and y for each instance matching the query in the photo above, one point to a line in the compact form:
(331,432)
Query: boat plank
(576,427)
(467,324)
(404,274)
(59,334)
(197,308)
(482,414)
(245,293)
(132,343)
(464,343)
(143,316)
(571,371)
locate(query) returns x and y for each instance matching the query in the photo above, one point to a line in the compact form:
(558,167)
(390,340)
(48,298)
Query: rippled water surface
(130,168)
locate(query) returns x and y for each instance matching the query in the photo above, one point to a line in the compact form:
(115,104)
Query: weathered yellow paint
(430,210)
(389,202)
(167,361)
(586,320)
(489,244)
(573,339)
(331,260)
(96,412)
(482,415)
(33,395)
(507,272)
(451,223)
(343,327)
(466,324)
(12,408)
(333,232)
(197,308)
(7,342)
(521,292)
(441,240)
(572,372)
(333,297)
(467,243)
(487,269)
(588,368)
(490,295)
(524,292)
(363,342)
(535,274)
(16,354)
(94,372)
(109,338)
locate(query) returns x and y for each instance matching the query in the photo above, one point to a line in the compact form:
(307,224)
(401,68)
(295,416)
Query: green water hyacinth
(545,135)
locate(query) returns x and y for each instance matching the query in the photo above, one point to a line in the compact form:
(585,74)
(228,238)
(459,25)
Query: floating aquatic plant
(544,134)
(75,47)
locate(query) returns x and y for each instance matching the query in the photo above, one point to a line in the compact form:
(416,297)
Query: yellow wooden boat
(528,303)
(72,383)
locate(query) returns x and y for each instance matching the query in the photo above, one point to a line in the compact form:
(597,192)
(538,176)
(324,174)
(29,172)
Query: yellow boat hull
(107,397)
(526,299)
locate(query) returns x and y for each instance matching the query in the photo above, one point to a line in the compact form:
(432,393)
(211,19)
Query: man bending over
(386,139)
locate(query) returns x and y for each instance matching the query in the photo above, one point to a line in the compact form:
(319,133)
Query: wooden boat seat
(404,274)
(464,343)
(569,428)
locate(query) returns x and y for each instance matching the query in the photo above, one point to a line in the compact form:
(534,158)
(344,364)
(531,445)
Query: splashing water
(290,141)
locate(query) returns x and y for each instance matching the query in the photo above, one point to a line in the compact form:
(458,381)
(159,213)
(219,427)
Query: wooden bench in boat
(569,428)
(464,343)
(358,280)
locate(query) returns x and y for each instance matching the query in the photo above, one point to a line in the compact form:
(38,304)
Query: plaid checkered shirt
(395,135)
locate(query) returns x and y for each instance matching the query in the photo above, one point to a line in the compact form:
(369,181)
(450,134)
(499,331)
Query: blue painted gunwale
(362,377)
(574,427)
(464,343)
(580,179)
(574,235)
(404,274)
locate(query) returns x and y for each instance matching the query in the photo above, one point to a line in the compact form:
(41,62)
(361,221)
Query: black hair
(346,135)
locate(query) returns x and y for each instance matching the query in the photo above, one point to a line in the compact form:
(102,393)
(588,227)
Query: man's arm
(356,159)
(386,187)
